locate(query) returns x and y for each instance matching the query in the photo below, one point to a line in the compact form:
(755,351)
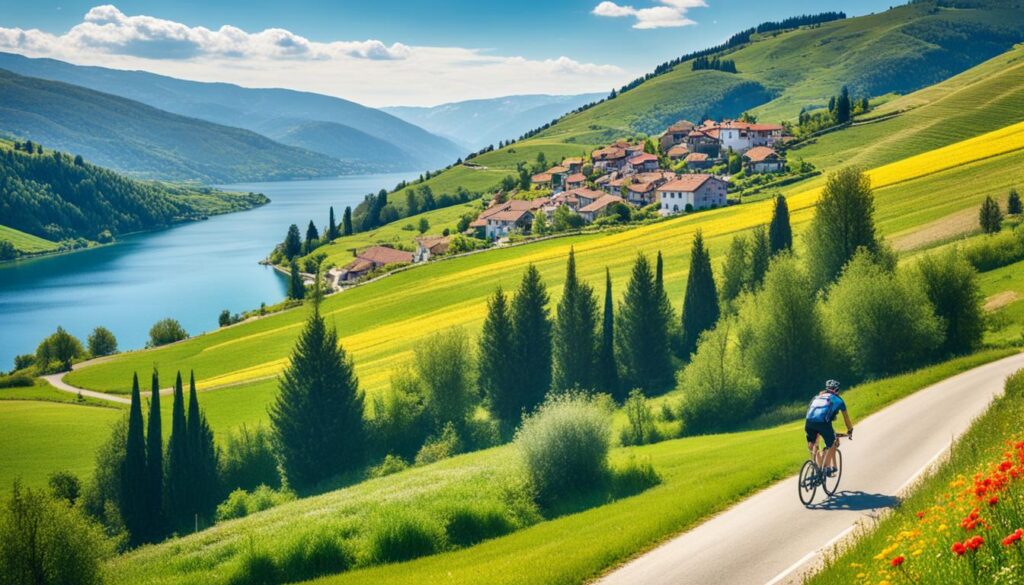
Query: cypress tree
(154,465)
(346,222)
(292,246)
(178,479)
(332,227)
(317,418)
(203,458)
(496,368)
(780,233)
(296,290)
(1013,205)
(531,346)
(990,217)
(642,339)
(760,256)
(607,367)
(134,485)
(700,305)
(659,279)
(575,344)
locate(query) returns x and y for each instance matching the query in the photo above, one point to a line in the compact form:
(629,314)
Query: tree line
(715,63)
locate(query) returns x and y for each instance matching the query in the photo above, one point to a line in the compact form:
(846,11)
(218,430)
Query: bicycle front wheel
(808,485)
(831,484)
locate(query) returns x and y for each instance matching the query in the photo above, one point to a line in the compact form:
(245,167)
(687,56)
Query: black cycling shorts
(816,429)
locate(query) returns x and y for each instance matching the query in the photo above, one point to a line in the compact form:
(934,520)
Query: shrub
(996,251)
(65,486)
(564,445)
(16,380)
(440,447)
(633,477)
(241,503)
(951,284)
(400,534)
(718,389)
(44,541)
(313,554)
(468,525)
(399,424)
(102,342)
(444,365)
(256,568)
(248,460)
(25,360)
(640,429)
(166,331)
(390,464)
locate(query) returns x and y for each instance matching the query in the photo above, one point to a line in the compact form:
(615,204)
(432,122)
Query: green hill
(146,142)
(49,197)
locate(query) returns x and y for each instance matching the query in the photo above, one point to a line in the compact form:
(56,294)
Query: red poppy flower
(958,549)
(920,514)
(1013,537)
(897,561)
(974,542)
(1005,465)
(993,500)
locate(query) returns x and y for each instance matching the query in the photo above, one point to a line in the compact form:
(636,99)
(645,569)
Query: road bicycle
(811,474)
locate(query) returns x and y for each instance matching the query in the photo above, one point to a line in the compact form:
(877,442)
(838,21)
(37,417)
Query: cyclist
(820,414)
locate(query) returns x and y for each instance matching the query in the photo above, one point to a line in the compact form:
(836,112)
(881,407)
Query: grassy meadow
(698,477)
(27,243)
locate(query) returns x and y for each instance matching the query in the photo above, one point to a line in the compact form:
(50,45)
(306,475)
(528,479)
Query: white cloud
(671,13)
(369,71)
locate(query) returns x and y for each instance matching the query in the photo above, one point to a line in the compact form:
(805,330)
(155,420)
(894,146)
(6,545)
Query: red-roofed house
(575,181)
(373,258)
(610,158)
(675,134)
(541,181)
(500,219)
(762,159)
(598,207)
(678,152)
(698,191)
(586,196)
(742,136)
(703,141)
(430,246)
(642,163)
(697,161)
(574,164)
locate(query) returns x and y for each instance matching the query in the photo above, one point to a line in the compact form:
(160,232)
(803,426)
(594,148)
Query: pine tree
(780,233)
(760,256)
(203,459)
(332,227)
(178,479)
(990,216)
(700,305)
(312,237)
(496,368)
(642,336)
(574,345)
(607,367)
(296,290)
(1013,205)
(155,529)
(317,418)
(292,246)
(134,479)
(531,345)
(843,106)
(346,222)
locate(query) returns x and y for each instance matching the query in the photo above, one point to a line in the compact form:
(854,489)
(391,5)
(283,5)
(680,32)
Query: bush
(313,554)
(633,477)
(25,360)
(248,460)
(444,365)
(951,284)
(997,250)
(718,389)
(16,380)
(443,446)
(241,503)
(166,331)
(44,541)
(256,568)
(399,423)
(640,429)
(477,522)
(65,486)
(102,342)
(564,445)
(390,464)
(400,534)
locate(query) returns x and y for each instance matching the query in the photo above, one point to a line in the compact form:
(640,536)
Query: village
(686,169)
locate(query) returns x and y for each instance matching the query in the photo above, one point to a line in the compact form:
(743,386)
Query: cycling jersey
(824,408)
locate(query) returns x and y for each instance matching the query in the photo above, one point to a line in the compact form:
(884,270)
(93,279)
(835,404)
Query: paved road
(771,538)
(57,381)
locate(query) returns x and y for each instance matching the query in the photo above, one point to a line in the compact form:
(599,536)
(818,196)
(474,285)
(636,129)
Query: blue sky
(392,53)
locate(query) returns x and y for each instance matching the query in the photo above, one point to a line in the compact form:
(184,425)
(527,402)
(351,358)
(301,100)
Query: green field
(698,475)
(27,243)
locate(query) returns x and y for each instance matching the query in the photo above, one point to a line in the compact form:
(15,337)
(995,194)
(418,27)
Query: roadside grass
(380,323)
(38,437)
(700,475)
(43,391)
(924,528)
(26,243)
(1005,324)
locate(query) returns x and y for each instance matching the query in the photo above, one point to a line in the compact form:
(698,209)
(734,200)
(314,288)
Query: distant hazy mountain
(477,123)
(281,114)
(143,141)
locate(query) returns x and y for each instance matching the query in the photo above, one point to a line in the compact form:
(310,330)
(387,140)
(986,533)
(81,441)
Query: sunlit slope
(982,99)
(382,322)
(26,243)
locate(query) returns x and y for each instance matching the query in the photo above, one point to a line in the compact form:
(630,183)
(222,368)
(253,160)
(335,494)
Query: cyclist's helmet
(832,386)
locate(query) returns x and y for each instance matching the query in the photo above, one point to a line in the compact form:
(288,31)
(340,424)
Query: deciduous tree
(843,222)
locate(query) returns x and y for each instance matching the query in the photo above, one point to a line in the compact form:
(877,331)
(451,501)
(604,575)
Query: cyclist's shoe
(830,471)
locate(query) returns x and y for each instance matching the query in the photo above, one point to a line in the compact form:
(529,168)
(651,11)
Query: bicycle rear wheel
(831,484)
(808,485)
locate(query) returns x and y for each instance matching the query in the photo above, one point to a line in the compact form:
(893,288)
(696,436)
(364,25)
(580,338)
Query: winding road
(771,538)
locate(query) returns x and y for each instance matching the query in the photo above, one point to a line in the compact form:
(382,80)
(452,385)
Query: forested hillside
(57,197)
(146,142)
(277,113)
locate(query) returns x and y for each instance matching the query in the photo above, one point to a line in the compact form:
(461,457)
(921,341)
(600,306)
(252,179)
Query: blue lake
(190,272)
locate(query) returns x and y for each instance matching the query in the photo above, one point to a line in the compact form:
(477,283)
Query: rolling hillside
(901,50)
(478,123)
(277,113)
(143,141)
